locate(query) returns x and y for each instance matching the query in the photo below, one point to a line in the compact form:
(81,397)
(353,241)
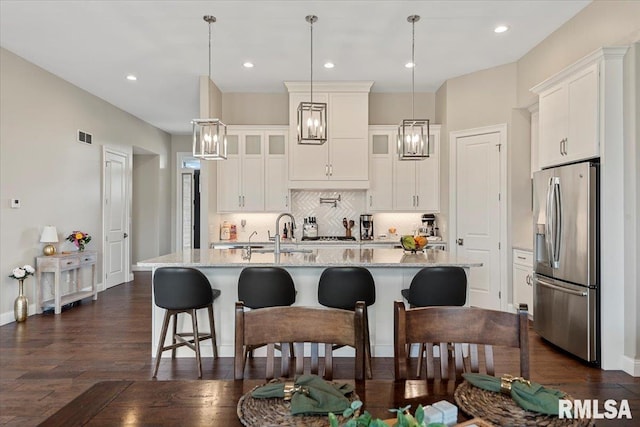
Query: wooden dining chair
(299,325)
(449,328)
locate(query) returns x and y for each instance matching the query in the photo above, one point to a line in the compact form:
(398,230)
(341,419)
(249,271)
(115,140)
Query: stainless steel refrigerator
(566,258)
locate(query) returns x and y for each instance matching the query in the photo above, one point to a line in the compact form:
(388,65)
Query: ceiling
(95,44)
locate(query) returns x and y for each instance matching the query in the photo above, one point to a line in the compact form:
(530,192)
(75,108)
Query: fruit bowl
(413,244)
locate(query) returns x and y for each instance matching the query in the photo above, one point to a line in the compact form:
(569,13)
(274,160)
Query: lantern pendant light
(413,134)
(209,135)
(312,116)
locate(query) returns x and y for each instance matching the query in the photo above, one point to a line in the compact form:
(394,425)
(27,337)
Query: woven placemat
(277,412)
(500,409)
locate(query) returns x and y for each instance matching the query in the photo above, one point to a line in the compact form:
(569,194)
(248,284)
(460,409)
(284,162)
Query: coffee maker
(428,228)
(366,227)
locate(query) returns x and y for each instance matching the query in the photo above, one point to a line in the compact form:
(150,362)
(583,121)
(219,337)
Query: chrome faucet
(251,235)
(276,248)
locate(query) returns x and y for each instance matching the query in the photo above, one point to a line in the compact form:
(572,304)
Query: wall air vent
(85,137)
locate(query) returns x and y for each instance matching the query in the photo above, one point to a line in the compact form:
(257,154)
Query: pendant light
(312,116)
(413,134)
(209,135)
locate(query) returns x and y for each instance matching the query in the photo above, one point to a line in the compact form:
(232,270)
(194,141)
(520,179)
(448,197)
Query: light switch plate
(15,203)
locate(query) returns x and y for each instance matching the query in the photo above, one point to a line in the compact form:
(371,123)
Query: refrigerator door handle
(548,227)
(561,289)
(557,222)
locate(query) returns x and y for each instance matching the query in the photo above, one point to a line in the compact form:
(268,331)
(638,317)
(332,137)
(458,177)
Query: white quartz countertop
(316,257)
(288,242)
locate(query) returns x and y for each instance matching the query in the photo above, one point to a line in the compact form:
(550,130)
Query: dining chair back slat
(450,330)
(298,325)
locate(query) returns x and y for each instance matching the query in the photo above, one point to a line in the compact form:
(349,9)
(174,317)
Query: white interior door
(478,214)
(115,218)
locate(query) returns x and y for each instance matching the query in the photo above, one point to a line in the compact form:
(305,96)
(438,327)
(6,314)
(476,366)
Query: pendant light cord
(311,27)
(413,68)
(209,50)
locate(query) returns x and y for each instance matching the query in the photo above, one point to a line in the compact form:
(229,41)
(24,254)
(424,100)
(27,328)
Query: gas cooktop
(329,238)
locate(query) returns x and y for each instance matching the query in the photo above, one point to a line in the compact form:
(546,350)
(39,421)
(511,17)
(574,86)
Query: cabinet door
(229,176)
(404,185)
(252,182)
(582,137)
(553,125)
(348,130)
(523,287)
(307,162)
(276,191)
(428,178)
(348,159)
(380,192)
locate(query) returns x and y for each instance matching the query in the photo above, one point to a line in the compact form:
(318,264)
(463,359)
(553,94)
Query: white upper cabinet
(254,178)
(416,183)
(569,119)
(341,162)
(382,151)
(571,109)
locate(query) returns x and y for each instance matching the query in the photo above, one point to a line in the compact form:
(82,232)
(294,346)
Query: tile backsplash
(305,203)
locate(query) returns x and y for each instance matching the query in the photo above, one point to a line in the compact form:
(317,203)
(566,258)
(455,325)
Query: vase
(21,305)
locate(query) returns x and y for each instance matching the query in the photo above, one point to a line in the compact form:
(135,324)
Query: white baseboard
(9,317)
(631,366)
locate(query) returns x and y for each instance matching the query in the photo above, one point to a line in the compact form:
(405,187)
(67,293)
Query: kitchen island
(392,270)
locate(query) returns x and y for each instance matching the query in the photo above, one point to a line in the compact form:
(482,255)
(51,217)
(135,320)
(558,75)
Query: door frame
(128,155)
(180,157)
(504,237)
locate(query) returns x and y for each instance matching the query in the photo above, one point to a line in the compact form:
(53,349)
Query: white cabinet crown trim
(595,56)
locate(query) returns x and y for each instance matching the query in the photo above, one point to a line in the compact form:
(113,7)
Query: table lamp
(49,235)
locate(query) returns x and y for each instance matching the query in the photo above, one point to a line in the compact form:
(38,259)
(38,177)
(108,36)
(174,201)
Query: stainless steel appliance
(566,258)
(428,225)
(310,228)
(366,227)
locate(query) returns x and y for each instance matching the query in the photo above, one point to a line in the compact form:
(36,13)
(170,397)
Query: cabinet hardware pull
(330,170)
(417,201)
(460,242)
(243,201)
(239,201)
(565,146)
(326,170)
(286,201)
(521,257)
(370,200)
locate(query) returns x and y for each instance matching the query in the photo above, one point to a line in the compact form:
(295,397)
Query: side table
(57,264)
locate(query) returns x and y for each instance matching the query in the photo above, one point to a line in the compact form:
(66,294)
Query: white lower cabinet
(523,279)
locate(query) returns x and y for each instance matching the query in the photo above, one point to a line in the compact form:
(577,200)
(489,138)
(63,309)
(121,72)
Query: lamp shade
(49,234)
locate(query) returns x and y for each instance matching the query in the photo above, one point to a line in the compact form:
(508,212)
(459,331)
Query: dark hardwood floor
(49,360)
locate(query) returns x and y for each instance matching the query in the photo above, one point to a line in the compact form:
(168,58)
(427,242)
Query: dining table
(215,402)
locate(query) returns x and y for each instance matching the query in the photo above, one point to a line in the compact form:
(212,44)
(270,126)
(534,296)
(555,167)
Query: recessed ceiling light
(329,65)
(409,65)
(248,65)
(501,29)
(131,77)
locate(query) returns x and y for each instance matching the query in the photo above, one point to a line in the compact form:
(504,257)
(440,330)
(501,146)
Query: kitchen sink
(283,250)
(234,246)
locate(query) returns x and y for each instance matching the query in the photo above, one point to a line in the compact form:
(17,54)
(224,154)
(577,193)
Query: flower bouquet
(21,273)
(79,238)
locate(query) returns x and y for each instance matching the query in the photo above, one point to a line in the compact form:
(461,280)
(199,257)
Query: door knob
(126,235)
(460,242)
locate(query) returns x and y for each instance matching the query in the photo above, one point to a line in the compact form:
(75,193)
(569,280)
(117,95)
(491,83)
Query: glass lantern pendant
(413,134)
(312,116)
(209,139)
(209,135)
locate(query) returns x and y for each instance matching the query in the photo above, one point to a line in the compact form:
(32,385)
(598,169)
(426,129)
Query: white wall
(145,241)
(57,179)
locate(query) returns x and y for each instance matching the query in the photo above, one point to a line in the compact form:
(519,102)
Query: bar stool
(261,287)
(342,287)
(436,286)
(183,290)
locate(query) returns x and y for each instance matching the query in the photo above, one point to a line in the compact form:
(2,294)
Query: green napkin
(532,397)
(322,397)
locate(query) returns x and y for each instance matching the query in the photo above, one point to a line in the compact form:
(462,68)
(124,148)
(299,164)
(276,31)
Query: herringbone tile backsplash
(307,203)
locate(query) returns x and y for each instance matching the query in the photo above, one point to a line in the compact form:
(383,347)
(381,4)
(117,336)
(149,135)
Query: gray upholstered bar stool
(184,290)
(436,286)
(342,287)
(261,287)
